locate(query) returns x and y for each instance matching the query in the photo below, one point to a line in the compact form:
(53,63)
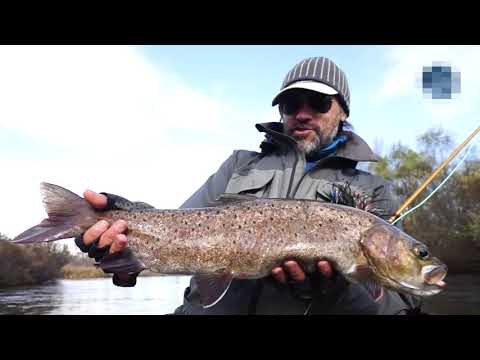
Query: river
(162,294)
(152,295)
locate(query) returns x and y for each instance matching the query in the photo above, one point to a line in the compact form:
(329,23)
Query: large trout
(245,237)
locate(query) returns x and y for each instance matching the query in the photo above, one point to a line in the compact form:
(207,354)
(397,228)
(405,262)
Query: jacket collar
(356,149)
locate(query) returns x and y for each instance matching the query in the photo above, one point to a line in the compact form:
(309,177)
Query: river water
(152,295)
(162,294)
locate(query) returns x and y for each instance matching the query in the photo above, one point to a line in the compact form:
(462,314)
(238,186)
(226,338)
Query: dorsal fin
(235,198)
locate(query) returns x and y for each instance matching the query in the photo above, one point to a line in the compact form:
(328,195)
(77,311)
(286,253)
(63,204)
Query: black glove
(114,202)
(125,279)
(414,305)
(93,250)
(320,292)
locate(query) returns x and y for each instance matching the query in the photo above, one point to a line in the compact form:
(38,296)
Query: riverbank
(81,266)
(75,272)
(71,272)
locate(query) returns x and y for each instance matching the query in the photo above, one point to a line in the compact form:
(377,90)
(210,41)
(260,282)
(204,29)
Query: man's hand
(293,271)
(108,235)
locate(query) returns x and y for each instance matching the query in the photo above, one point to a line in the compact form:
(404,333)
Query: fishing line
(467,152)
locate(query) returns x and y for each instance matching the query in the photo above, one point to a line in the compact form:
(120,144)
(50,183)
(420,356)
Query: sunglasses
(291,103)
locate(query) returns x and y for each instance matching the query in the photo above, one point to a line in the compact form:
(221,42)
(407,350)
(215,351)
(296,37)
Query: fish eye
(422,252)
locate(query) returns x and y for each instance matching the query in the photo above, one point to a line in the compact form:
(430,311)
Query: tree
(30,264)
(450,221)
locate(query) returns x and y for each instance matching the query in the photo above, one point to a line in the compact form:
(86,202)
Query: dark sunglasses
(289,104)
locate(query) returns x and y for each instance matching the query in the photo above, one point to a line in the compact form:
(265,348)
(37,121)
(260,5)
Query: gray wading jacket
(279,172)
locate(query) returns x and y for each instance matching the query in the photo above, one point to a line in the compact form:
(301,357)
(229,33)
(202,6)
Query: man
(301,157)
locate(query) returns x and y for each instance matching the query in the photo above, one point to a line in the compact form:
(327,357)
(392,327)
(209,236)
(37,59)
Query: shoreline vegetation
(82,267)
(449,222)
(23,265)
(30,264)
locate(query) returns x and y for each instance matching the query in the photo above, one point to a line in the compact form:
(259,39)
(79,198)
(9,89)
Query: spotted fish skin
(248,238)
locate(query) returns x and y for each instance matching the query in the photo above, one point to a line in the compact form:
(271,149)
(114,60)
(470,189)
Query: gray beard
(307,148)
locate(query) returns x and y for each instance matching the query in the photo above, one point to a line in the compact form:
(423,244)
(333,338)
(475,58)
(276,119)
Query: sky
(152,123)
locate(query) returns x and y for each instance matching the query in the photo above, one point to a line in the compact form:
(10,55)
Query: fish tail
(69,215)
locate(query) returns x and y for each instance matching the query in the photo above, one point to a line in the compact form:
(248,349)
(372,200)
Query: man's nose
(304,113)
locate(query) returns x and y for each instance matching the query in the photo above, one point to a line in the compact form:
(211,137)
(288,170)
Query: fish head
(400,262)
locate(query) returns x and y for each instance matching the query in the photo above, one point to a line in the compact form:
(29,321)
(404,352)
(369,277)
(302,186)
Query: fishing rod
(432,176)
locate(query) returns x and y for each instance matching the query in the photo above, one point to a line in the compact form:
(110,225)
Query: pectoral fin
(363,274)
(212,287)
(374,288)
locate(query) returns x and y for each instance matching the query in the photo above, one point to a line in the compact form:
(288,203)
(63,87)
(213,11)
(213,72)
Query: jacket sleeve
(214,186)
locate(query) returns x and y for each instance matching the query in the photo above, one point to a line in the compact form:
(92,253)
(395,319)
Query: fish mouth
(434,275)
(433,283)
(409,286)
(426,290)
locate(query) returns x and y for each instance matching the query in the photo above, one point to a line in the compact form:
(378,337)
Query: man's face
(310,118)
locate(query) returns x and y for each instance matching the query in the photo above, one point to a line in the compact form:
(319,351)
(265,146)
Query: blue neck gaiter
(325,151)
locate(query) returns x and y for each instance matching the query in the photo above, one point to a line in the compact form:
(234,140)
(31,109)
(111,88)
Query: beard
(309,146)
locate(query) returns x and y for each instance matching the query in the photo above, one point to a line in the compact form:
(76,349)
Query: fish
(245,237)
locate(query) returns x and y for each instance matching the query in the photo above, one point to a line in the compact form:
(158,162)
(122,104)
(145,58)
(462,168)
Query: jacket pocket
(254,182)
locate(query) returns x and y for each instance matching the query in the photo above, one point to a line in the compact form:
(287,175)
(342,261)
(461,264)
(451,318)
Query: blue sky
(248,76)
(151,123)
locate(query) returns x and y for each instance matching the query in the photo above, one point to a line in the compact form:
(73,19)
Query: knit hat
(318,74)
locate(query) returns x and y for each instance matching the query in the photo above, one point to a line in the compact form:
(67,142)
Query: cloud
(61,94)
(106,118)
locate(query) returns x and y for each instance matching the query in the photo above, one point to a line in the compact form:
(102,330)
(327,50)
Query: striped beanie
(318,74)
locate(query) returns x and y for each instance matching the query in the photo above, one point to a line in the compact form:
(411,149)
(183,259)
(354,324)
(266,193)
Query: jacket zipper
(292,144)
(292,175)
(303,177)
